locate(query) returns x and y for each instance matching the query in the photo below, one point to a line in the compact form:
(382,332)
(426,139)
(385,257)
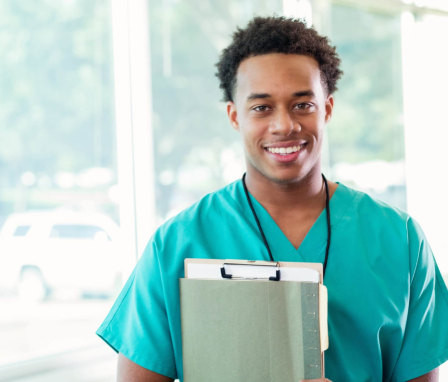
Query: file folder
(245,321)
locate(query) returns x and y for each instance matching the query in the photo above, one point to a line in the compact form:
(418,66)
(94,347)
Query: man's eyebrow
(304,93)
(253,96)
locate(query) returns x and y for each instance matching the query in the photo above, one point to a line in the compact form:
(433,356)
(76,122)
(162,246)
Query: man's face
(280,109)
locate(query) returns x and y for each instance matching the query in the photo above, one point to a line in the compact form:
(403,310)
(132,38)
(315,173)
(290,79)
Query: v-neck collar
(312,248)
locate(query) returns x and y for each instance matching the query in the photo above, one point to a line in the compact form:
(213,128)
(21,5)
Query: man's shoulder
(370,208)
(376,221)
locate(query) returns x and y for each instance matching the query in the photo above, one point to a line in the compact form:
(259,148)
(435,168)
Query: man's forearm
(128,371)
(432,376)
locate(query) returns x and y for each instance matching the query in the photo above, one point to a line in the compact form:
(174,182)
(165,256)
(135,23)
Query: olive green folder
(253,330)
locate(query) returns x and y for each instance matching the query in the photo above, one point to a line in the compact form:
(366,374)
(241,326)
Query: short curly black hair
(264,35)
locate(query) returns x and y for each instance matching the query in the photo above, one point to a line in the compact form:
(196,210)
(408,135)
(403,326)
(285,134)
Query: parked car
(54,252)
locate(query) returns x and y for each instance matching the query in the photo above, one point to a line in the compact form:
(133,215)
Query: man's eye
(261,108)
(303,106)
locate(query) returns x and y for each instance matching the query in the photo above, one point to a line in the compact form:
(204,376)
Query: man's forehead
(287,72)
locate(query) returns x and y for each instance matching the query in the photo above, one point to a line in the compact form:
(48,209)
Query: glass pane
(72,231)
(426,80)
(59,222)
(366,135)
(21,230)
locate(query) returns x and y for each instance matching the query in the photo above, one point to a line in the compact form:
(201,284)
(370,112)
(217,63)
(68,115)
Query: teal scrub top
(388,304)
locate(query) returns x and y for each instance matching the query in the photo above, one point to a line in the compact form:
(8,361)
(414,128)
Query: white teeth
(284,150)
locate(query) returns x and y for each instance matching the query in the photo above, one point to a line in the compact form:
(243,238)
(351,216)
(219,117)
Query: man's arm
(129,371)
(432,376)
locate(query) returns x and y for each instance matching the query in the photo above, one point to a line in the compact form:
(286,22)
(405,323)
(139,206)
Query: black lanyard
(327,208)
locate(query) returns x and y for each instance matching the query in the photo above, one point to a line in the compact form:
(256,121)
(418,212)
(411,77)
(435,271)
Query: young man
(388,304)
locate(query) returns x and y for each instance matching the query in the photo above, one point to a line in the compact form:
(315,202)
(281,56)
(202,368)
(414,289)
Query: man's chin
(281,175)
(285,179)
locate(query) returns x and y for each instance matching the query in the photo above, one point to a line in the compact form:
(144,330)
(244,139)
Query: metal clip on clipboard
(276,265)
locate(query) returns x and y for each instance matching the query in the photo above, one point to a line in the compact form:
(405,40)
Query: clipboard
(252,321)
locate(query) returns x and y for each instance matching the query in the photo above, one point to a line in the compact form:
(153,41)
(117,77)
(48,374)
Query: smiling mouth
(285,150)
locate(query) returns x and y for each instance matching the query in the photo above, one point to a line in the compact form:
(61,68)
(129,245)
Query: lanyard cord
(327,208)
(256,218)
(260,229)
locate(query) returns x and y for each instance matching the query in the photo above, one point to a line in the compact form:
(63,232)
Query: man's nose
(283,123)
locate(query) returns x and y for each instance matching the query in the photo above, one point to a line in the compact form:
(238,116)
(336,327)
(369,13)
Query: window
(21,230)
(58,157)
(77,231)
(366,135)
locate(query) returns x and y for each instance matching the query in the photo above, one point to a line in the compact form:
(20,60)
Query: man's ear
(233,115)
(329,108)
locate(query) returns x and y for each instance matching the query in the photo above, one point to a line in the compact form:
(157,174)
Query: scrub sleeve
(425,342)
(137,325)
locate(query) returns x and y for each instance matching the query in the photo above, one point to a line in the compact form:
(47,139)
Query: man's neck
(302,194)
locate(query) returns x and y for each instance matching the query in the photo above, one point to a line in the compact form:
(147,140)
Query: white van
(50,252)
